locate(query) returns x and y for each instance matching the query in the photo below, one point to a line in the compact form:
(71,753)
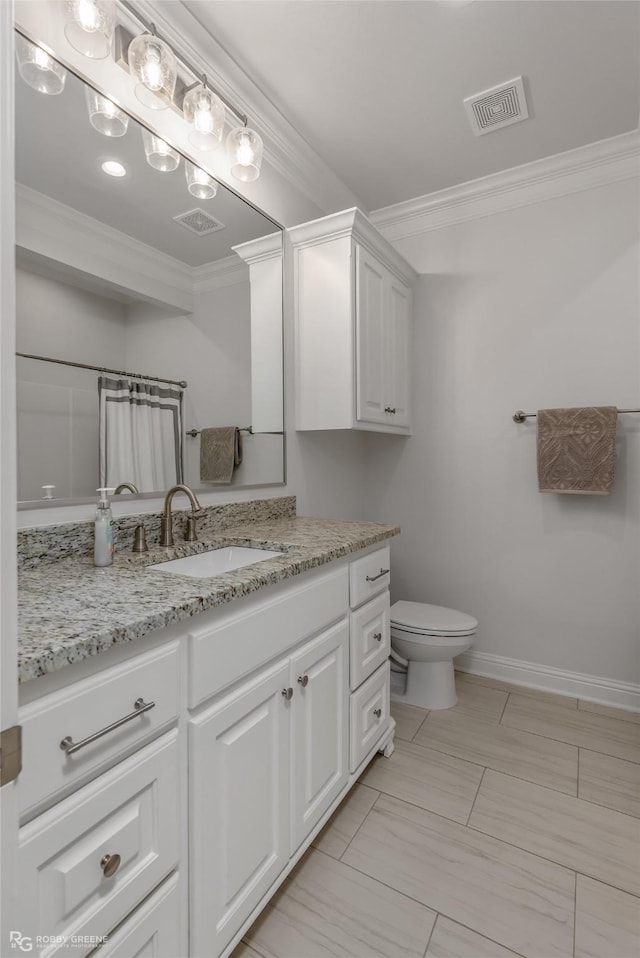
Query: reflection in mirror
(138,283)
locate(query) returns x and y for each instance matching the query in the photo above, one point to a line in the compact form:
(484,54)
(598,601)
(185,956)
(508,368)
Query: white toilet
(427,638)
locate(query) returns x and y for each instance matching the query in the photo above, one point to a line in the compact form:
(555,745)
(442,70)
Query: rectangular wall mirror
(135,284)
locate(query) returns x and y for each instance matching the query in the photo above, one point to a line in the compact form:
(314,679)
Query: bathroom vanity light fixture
(104,115)
(199,183)
(244,149)
(154,66)
(205,112)
(38,69)
(159,154)
(90,25)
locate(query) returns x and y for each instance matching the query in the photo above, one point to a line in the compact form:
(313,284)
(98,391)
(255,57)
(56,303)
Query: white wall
(526,309)
(530,308)
(57,408)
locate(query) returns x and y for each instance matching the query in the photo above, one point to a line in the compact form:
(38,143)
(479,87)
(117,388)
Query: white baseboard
(593,688)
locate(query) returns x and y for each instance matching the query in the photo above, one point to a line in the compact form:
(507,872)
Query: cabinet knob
(110,865)
(303,680)
(287,693)
(391,409)
(377,636)
(377,712)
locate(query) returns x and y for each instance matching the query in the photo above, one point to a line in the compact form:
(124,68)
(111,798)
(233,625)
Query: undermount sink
(206,564)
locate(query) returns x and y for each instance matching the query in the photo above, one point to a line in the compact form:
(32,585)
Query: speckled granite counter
(69,609)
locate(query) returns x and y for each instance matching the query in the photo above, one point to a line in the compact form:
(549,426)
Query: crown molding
(587,167)
(354,223)
(224,272)
(263,248)
(51,229)
(285,149)
(58,232)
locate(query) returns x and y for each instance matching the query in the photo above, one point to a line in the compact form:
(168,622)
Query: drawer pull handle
(372,578)
(110,865)
(303,680)
(391,409)
(377,636)
(288,694)
(139,708)
(377,712)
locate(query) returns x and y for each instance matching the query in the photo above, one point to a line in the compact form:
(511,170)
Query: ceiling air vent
(500,106)
(199,222)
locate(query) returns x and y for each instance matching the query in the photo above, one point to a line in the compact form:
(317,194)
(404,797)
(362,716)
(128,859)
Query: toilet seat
(420,618)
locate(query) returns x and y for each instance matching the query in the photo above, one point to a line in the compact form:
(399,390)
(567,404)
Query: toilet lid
(431,619)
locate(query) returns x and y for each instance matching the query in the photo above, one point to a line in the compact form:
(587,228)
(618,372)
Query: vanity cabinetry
(265,711)
(100,801)
(267,762)
(370,630)
(353,306)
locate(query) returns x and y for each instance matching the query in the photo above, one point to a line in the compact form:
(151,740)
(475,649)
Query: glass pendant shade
(159,154)
(153,65)
(89,26)
(244,148)
(38,69)
(104,116)
(199,183)
(204,111)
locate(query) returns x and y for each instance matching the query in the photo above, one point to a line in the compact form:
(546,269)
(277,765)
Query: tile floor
(509,825)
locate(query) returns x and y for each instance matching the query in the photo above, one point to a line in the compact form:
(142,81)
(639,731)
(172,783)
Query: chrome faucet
(126,485)
(166,523)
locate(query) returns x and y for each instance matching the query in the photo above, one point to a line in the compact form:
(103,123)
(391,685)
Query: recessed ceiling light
(114,168)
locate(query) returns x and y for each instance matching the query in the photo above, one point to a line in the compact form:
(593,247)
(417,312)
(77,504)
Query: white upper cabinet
(353,302)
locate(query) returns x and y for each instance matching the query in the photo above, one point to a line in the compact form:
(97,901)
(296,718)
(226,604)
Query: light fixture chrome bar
(103,369)
(151,28)
(520,416)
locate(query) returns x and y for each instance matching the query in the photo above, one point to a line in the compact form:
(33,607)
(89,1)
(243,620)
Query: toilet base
(430,685)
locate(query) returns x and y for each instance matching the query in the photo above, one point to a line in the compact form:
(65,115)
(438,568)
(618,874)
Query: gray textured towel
(577,450)
(220,453)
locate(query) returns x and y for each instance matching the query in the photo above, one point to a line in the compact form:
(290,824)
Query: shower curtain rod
(104,369)
(520,416)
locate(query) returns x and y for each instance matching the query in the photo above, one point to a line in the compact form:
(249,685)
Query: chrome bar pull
(139,708)
(372,578)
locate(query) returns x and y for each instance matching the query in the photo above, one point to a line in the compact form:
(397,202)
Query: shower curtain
(140,434)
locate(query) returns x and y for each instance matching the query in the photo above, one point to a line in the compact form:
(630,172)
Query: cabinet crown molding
(354,223)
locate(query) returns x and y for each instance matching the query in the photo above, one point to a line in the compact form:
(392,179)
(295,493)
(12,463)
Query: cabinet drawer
(366,724)
(85,708)
(66,888)
(238,643)
(369,639)
(369,576)
(152,930)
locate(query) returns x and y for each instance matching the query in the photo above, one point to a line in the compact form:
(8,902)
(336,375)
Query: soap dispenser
(103,548)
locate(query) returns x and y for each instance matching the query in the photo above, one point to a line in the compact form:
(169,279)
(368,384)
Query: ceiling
(58,153)
(376,86)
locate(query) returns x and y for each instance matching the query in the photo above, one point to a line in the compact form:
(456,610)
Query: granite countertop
(69,610)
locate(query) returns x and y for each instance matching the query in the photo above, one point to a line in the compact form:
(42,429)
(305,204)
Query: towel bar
(196,432)
(520,416)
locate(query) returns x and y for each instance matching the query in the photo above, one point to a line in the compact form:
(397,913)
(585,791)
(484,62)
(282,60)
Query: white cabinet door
(320,727)
(397,384)
(239,754)
(371,282)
